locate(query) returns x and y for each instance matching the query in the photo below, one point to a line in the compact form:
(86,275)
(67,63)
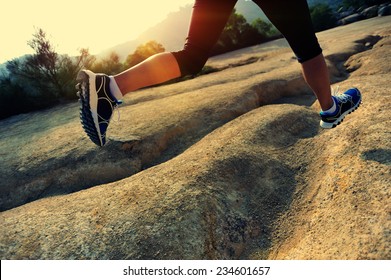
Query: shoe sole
(341,118)
(88,107)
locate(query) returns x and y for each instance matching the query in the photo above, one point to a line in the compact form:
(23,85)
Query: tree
(264,28)
(142,52)
(38,72)
(40,80)
(322,17)
(110,65)
(43,65)
(237,33)
(46,74)
(69,67)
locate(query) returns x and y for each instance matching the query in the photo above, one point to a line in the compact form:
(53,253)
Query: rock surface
(351,15)
(230,165)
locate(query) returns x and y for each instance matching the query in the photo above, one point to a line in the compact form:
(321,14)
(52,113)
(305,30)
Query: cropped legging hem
(209,17)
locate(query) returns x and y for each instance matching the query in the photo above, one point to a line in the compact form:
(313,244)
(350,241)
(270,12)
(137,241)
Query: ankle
(114,89)
(331,107)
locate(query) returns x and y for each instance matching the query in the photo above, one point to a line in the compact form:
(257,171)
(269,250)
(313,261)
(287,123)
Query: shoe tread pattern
(86,118)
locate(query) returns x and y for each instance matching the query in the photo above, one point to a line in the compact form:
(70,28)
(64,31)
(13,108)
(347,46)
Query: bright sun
(75,24)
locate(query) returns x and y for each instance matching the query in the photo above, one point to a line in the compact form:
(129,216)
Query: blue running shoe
(96,104)
(346,103)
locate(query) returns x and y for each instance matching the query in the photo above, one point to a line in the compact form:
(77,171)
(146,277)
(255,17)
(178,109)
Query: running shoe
(96,104)
(346,103)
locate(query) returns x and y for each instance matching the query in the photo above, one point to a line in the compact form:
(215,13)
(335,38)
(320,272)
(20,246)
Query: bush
(15,99)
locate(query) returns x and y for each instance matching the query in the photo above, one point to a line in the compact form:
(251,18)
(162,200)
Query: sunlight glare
(73,24)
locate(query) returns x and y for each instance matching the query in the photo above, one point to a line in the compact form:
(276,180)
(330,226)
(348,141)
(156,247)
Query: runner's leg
(207,22)
(293,20)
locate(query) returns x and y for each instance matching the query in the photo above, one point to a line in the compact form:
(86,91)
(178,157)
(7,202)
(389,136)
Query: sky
(74,24)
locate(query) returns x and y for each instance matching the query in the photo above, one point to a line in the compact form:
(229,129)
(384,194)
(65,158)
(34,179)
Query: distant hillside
(171,33)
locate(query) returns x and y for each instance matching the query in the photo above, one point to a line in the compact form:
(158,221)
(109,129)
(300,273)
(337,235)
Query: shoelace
(335,91)
(116,108)
(342,97)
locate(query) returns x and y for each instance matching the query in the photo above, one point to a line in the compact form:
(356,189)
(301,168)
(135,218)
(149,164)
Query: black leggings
(209,17)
